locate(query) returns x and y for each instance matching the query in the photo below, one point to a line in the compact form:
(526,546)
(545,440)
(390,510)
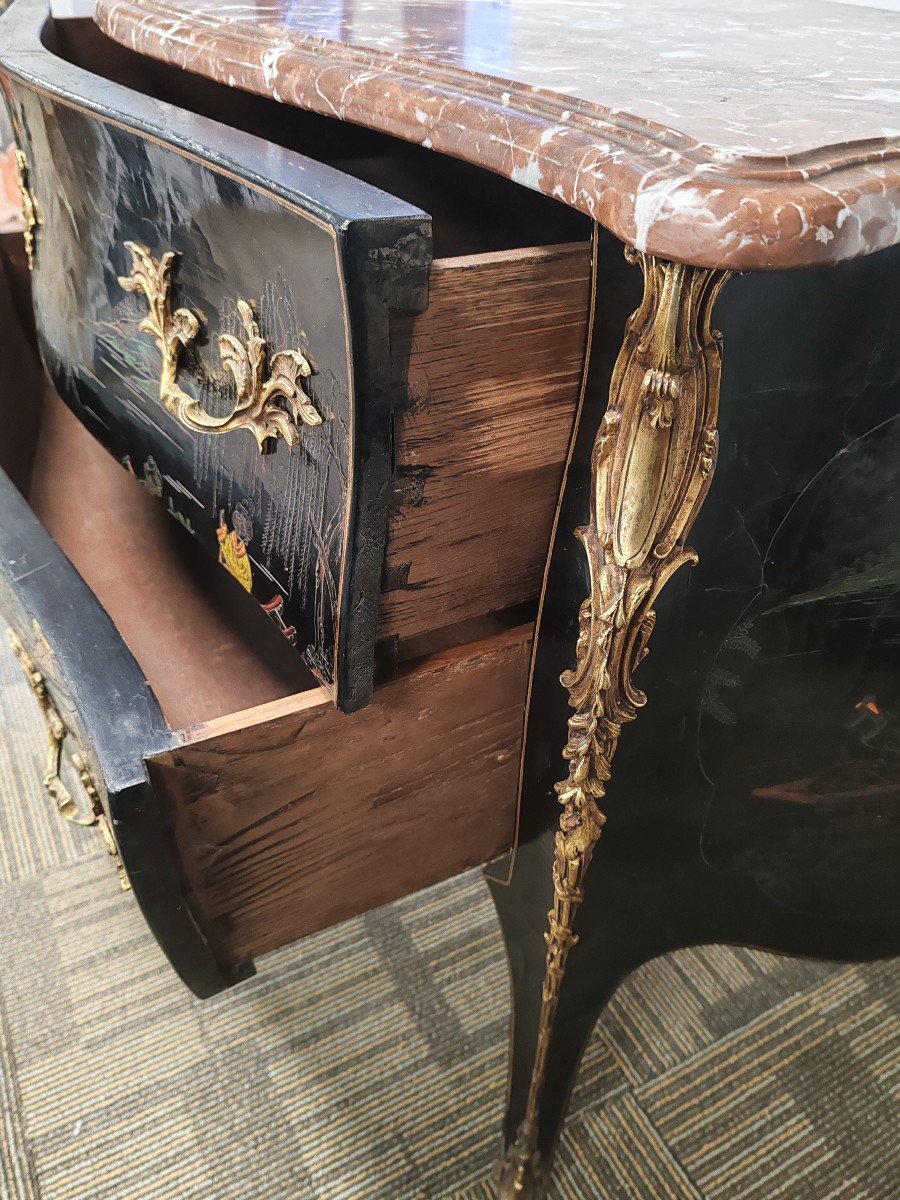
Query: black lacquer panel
(110,717)
(799,726)
(322,258)
(756,798)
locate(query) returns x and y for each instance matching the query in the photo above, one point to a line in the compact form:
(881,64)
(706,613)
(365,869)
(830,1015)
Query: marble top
(712,131)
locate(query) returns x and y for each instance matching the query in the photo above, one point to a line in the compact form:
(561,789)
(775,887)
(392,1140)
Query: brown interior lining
(201,640)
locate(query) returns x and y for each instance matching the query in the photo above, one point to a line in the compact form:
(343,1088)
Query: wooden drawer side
(304,817)
(495,369)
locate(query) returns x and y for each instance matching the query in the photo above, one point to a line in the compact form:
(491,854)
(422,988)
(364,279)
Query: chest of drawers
(364,474)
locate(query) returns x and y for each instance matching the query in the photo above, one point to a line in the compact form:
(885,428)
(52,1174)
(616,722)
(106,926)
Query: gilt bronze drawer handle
(271,400)
(29,208)
(66,805)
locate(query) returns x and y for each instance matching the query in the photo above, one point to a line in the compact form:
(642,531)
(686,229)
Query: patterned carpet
(369,1062)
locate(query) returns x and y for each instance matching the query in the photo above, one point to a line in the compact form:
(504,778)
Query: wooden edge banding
(463,262)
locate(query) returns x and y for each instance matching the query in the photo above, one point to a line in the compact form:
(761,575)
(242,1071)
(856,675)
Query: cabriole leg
(651,467)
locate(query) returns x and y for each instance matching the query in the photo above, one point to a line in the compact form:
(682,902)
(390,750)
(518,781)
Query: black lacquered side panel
(756,798)
(770,733)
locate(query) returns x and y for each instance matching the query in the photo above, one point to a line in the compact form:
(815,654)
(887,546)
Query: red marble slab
(716,132)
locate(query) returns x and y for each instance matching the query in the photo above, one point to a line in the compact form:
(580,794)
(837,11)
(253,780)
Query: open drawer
(369,438)
(246,809)
(217,313)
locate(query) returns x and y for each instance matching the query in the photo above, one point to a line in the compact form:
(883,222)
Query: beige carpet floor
(369,1062)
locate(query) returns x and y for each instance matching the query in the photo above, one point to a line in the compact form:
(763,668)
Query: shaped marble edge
(663,190)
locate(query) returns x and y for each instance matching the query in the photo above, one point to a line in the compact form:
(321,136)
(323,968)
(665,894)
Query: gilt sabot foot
(521,1174)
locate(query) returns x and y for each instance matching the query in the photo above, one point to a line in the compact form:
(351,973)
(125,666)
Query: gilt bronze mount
(65,803)
(29,207)
(651,467)
(271,400)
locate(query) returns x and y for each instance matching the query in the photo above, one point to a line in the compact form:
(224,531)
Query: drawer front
(102,721)
(219,319)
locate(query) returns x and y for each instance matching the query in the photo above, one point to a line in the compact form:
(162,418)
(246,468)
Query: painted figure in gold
(233,547)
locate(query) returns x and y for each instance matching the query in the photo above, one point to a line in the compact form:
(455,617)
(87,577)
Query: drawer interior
(197,638)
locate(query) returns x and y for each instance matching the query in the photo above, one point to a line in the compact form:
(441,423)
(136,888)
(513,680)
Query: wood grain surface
(294,817)
(494,375)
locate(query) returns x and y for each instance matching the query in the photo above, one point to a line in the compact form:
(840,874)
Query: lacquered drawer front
(102,721)
(229,343)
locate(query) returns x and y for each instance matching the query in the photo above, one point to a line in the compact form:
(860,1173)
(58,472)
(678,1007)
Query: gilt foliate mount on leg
(651,467)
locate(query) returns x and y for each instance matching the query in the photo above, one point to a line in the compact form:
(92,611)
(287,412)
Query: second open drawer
(246,809)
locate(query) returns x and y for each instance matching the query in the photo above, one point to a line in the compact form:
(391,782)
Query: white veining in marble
(770,77)
(684,125)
